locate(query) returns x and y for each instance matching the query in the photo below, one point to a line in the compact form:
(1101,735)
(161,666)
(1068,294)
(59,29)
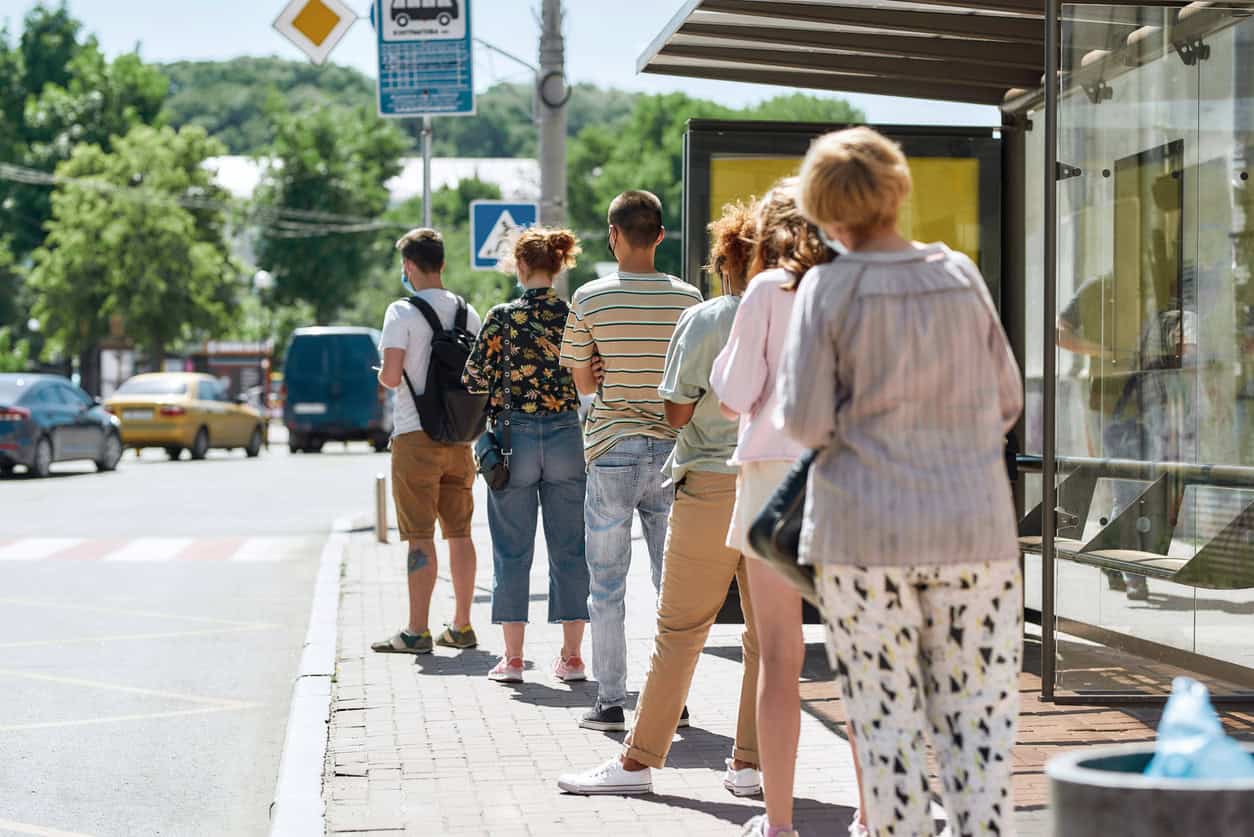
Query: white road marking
(33,549)
(222,703)
(39,830)
(113,719)
(123,611)
(149,549)
(268,549)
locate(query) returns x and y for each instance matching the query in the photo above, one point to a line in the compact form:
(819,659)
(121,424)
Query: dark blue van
(332,391)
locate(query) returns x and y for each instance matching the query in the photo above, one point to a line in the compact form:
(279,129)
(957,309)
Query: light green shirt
(707,442)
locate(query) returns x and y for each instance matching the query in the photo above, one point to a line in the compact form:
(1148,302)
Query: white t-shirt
(404,327)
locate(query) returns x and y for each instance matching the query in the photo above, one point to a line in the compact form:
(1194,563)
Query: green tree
(123,244)
(14,353)
(325,162)
(49,43)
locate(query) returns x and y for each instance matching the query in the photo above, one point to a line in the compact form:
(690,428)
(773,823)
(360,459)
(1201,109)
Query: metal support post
(552,95)
(426,171)
(1048,383)
(381,508)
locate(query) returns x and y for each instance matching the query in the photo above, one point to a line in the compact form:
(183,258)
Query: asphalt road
(151,621)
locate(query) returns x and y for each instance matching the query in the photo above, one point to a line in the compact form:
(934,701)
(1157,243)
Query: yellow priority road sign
(315,26)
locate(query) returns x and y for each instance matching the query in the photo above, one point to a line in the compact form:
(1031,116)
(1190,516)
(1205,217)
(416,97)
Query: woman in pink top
(744,379)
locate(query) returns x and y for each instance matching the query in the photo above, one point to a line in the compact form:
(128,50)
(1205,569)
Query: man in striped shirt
(626,320)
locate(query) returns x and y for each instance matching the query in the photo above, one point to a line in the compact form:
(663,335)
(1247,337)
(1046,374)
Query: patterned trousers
(929,652)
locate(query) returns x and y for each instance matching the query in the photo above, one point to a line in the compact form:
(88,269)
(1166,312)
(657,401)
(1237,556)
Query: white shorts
(754,486)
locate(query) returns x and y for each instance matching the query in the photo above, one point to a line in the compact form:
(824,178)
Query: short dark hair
(424,247)
(638,216)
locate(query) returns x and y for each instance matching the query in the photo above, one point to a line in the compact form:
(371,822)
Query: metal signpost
(492,227)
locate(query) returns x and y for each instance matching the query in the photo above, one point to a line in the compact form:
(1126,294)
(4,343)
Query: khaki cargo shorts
(432,480)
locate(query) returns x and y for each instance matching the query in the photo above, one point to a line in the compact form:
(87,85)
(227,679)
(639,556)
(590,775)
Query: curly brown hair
(784,238)
(546,250)
(731,247)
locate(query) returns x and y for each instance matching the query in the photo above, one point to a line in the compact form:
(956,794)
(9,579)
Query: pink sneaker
(569,669)
(508,670)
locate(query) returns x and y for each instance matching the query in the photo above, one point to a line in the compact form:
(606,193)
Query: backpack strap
(462,316)
(433,319)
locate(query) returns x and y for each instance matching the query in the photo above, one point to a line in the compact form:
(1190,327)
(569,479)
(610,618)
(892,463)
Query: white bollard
(381,508)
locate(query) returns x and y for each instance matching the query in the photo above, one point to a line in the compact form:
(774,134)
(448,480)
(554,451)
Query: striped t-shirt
(627,318)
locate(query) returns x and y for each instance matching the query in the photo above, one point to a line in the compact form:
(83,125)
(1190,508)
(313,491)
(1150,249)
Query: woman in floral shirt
(547,466)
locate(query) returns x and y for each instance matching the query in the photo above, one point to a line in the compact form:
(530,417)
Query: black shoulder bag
(492,453)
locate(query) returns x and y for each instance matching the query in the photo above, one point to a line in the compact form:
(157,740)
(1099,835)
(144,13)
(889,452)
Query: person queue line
(834,333)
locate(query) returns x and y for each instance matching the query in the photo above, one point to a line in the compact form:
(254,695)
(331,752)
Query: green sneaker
(454,638)
(404,643)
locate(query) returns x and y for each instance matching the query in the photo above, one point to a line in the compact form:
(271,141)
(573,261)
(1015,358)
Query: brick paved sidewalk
(429,746)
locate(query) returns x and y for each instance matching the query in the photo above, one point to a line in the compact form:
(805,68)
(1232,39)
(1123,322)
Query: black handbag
(776,532)
(492,453)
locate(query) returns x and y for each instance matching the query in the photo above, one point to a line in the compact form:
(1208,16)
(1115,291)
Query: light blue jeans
(628,478)
(546,476)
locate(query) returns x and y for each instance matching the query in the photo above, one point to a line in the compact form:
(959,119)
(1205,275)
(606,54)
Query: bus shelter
(1116,227)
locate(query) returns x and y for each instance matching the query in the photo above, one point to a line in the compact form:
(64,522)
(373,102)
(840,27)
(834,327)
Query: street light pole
(426,172)
(552,95)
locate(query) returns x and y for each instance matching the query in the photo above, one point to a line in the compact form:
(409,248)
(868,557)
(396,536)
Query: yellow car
(177,410)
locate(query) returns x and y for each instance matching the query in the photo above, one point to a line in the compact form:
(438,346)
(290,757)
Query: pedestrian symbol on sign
(493,227)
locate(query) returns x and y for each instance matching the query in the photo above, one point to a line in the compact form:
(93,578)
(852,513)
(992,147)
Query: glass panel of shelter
(1155,361)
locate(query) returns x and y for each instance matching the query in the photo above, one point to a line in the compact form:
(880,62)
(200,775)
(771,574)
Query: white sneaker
(747,782)
(857,829)
(756,827)
(608,778)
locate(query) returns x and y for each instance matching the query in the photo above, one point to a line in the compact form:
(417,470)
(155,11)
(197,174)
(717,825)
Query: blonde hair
(547,250)
(857,178)
(731,247)
(783,237)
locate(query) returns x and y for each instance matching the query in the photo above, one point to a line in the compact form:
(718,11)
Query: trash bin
(1102,792)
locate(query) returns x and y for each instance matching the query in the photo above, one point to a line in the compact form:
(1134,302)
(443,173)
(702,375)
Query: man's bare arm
(393,364)
(678,415)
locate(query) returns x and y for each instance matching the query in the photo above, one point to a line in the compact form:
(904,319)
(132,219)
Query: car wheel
(445,20)
(200,445)
(41,465)
(402,21)
(174,453)
(6,471)
(111,455)
(380,444)
(313,446)
(254,444)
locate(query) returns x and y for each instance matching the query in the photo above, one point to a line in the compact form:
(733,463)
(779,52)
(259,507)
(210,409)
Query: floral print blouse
(539,385)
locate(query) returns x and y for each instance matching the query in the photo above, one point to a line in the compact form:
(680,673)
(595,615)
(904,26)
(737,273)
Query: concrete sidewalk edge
(298,808)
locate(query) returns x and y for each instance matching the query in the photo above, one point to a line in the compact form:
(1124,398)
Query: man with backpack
(426,340)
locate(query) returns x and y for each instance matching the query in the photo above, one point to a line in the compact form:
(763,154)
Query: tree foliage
(327,162)
(122,244)
(14,353)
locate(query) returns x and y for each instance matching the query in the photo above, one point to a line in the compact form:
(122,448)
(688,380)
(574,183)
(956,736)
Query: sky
(604,38)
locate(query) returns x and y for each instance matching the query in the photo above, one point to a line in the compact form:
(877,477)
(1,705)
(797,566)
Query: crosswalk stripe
(257,550)
(33,549)
(149,549)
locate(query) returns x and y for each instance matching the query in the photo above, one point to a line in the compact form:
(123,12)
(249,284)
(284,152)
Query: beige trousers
(696,574)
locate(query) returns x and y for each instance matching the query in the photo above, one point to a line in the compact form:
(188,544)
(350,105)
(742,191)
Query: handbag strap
(507,449)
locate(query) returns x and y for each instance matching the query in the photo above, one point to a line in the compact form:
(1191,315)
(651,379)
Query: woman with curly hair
(546,468)
(699,567)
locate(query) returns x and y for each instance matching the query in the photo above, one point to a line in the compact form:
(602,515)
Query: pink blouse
(744,372)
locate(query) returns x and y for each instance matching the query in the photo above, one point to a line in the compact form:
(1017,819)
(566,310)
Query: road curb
(298,809)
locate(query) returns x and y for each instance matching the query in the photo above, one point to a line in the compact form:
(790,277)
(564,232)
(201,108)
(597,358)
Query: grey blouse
(898,364)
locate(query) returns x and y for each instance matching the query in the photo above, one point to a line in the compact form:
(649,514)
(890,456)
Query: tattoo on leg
(417,560)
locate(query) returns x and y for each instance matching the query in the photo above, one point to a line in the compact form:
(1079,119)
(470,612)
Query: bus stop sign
(425,57)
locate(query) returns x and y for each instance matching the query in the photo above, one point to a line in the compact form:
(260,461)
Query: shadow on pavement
(472,661)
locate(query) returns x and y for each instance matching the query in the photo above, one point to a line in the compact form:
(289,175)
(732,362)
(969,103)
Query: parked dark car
(332,391)
(46,419)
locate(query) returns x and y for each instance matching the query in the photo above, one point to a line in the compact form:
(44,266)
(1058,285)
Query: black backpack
(449,413)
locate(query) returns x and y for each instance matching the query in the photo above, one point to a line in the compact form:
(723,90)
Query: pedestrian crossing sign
(493,227)
(315,26)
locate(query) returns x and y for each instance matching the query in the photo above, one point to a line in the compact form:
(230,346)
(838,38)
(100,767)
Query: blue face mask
(835,246)
(410,289)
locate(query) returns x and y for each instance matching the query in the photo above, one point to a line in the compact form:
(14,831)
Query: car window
(75,397)
(207,390)
(153,386)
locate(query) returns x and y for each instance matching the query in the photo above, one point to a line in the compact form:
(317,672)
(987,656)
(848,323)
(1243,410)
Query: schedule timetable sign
(426,63)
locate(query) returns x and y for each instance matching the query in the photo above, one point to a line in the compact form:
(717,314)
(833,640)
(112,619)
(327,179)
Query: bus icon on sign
(442,12)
